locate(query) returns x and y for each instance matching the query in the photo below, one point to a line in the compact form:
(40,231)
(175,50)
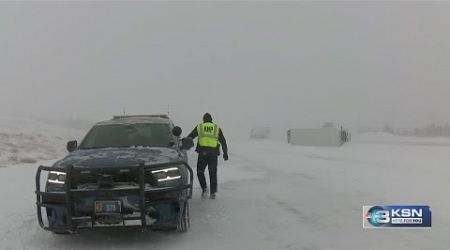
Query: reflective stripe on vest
(208,134)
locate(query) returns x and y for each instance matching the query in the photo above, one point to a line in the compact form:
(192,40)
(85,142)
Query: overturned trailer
(325,137)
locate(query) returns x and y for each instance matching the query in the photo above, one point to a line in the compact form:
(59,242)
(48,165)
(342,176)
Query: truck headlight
(56,177)
(167,176)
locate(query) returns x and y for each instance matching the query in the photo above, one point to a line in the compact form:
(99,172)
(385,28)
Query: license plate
(108,207)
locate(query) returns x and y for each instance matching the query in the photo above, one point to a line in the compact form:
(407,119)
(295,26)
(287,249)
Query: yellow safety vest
(208,134)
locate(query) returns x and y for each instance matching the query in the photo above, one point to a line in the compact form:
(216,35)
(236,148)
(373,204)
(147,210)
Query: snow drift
(28,141)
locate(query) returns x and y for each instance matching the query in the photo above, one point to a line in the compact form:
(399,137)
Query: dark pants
(207,159)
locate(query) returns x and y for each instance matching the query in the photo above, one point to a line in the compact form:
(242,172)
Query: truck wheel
(183,220)
(61,232)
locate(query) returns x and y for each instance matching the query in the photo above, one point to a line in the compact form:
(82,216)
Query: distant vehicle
(127,171)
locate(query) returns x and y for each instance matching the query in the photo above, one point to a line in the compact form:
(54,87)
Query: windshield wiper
(89,148)
(128,146)
(107,147)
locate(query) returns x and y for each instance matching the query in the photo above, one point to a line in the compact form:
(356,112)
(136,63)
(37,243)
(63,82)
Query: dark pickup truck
(127,171)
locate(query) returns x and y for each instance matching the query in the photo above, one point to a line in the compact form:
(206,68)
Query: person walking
(210,139)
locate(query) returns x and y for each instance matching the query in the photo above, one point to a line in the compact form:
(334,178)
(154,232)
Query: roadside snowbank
(28,141)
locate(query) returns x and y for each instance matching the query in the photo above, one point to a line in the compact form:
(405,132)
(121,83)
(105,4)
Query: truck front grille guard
(69,193)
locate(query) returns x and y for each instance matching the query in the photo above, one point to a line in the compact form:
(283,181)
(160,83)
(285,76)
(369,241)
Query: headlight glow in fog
(167,174)
(57,177)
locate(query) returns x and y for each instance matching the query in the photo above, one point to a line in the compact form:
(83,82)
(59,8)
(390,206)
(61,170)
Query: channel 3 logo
(396,216)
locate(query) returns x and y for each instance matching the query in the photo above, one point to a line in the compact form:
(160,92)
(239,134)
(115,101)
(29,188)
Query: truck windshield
(120,135)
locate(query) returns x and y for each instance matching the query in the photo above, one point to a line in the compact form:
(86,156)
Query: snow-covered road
(274,196)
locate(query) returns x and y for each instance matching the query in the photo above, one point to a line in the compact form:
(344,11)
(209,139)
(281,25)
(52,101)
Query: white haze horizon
(278,64)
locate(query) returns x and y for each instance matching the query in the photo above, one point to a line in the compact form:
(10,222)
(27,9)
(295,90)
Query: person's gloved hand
(187,143)
(225,157)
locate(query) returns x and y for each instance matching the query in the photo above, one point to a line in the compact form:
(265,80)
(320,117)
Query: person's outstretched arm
(223,142)
(193,133)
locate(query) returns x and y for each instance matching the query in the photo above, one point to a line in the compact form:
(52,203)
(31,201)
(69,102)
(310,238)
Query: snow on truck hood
(119,157)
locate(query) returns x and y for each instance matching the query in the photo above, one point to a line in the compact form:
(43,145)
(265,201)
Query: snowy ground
(275,196)
(28,141)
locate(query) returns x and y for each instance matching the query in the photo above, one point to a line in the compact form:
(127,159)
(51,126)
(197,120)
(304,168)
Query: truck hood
(119,157)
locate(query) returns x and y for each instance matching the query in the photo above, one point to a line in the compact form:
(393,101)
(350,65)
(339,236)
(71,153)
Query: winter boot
(204,192)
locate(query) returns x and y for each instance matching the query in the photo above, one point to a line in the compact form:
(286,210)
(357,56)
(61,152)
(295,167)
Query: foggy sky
(271,64)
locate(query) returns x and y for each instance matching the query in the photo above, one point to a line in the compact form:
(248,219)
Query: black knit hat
(207,117)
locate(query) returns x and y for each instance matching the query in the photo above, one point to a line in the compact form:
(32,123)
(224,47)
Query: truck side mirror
(72,145)
(176,131)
